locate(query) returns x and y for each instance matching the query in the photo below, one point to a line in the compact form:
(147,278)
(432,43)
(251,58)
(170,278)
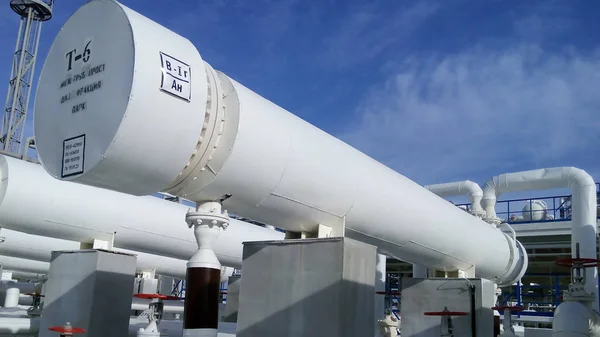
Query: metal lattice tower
(33,13)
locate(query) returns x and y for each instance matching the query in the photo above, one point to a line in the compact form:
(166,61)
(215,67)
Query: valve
(67,330)
(388,326)
(447,330)
(156,304)
(35,309)
(577,286)
(156,312)
(509,331)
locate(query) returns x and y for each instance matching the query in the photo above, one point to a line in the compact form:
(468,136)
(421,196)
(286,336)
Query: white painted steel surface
(122,71)
(10,263)
(466,187)
(279,169)
(40,248)
(583,201)
(33,202)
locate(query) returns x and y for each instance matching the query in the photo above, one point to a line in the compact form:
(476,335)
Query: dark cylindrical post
(203,279)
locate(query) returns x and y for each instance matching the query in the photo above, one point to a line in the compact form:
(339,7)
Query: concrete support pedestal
(233,299)
(90,289)
(307,288)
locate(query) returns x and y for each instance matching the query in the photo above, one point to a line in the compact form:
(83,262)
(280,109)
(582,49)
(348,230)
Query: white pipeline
(467,187)
(12,326)
(33,202)
(10,263)
(584,206)
(175,307)
(24,288)
(39,248)
(227,140)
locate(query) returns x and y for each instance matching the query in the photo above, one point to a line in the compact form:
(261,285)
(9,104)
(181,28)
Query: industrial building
(242,219)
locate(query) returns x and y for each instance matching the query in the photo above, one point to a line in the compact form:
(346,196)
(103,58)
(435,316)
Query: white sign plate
(73,156)
(176,77)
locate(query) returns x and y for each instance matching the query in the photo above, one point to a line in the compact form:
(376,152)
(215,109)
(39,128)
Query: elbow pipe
(466,187)
(584,207)
(557,177)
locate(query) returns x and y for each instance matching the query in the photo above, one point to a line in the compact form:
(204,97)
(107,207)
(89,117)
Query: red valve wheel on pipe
(157,296)
(66,330)
(445,313)
(584,262)
(507,307)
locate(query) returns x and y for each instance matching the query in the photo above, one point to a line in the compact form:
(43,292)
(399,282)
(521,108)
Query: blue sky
(438,90)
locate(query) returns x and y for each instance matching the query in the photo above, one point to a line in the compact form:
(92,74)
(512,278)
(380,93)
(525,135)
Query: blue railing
(528,296)
(537,210)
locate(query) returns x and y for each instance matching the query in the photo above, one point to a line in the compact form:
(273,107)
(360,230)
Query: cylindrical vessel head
(571,319)
(116,92)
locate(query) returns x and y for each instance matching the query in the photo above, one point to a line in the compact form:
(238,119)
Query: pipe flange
(478,213)
(207,218)
(495,221)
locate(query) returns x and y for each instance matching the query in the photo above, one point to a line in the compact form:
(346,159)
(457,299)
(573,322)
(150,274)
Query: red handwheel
(66,330)
(157,296)
(578,262)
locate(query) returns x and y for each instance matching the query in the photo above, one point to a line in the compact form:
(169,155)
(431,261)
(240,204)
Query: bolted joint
(207,214)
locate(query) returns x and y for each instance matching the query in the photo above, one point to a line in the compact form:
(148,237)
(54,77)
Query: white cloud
(369,29)
(481,112)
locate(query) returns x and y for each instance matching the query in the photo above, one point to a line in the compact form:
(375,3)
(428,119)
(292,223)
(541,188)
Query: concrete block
(91,289)
(307,288)
(427,295)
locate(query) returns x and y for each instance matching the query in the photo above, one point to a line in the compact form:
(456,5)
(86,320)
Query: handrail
(558,208)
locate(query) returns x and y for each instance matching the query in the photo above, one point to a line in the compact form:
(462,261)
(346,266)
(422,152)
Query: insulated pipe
(175,307)
(39,248)
(11,297)
(12,326)
(584,207)
(466,187)
(24,265)
(33,202)
(23,287)
(226,140)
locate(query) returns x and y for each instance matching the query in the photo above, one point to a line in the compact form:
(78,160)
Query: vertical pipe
(12,298)
(203,279)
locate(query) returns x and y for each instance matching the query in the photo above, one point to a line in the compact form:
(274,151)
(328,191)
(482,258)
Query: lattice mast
(33,13)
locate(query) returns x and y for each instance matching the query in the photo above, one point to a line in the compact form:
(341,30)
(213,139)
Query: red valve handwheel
(391,293)
(66,330)
(445,313)
(585,262)
(507,307)
(159,296)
